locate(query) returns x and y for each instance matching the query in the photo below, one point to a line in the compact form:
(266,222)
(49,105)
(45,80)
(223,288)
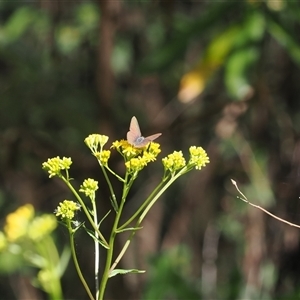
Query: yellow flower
(18,221)
(135,164)
(103,156)
(66,209)
(198,157)
(55,165)
(116,144)
(174,161)
(120,144)
(103,140)
(126,149)
(148,156)
(136,158)
(96,142)
(41,226)
(89,187)
(154,148)
(45,277)
(130,150)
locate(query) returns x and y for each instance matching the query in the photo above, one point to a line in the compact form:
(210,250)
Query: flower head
(89,187)
(137,158)
(55,165)
(41,226)
(148,156)
(142,156)
(154,148)
(117,144)
(17,222)
(135,164)
(66,209)
(23,224)
(130,151)
(198,157)
(174,161)
(103,157)
(96,142)
(126,149)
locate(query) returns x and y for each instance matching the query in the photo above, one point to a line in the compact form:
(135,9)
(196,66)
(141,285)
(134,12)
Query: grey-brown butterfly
(134,135)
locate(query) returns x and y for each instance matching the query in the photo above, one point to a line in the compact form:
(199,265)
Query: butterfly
(134,135)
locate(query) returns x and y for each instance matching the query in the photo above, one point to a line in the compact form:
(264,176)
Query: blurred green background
(223,75)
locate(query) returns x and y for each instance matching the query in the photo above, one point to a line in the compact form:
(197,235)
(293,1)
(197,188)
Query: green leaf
(237,69)
(129,229)
(114,204)
(92,235)
(122,272)
(63,261)
(68,38)
(166,54)
(19,23)
(103,218)
(244,56)
(87,16)
(286,40)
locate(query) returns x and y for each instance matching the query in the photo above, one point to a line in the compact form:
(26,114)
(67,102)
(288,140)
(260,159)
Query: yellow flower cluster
(103,157)
(96,142)
(66,209)
(198,157)
(41,226)
(174,161)
(126,149)
(89,187)
(45,277)
(135,164)
(23,224)
(17,222)
(137,158)
(55,165)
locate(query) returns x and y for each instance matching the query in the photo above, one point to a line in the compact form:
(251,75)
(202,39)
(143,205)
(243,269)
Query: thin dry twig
(244,198)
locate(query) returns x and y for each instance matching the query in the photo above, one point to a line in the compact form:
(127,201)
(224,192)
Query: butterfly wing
(134,135)
(152,137)
(147,140)
(134,131)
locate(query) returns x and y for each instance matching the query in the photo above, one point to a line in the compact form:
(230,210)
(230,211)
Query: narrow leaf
(129,229)
(114,204)
(92,235)
(122,272)
(103,218)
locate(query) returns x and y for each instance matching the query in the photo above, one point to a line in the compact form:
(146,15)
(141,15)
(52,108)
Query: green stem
(47,249)
(95,226)
(113,234)
(113,196)
(71,233)
(96,250)
(167,185)
(155,198)
(112,172)
(142,206)
(146,206)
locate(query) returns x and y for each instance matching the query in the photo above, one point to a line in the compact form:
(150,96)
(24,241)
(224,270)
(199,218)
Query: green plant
(135,159)
(26,241)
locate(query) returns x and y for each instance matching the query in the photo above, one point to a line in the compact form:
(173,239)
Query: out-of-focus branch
(244,198)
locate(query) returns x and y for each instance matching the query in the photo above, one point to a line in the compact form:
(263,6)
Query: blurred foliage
(220,74)
(170,276)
